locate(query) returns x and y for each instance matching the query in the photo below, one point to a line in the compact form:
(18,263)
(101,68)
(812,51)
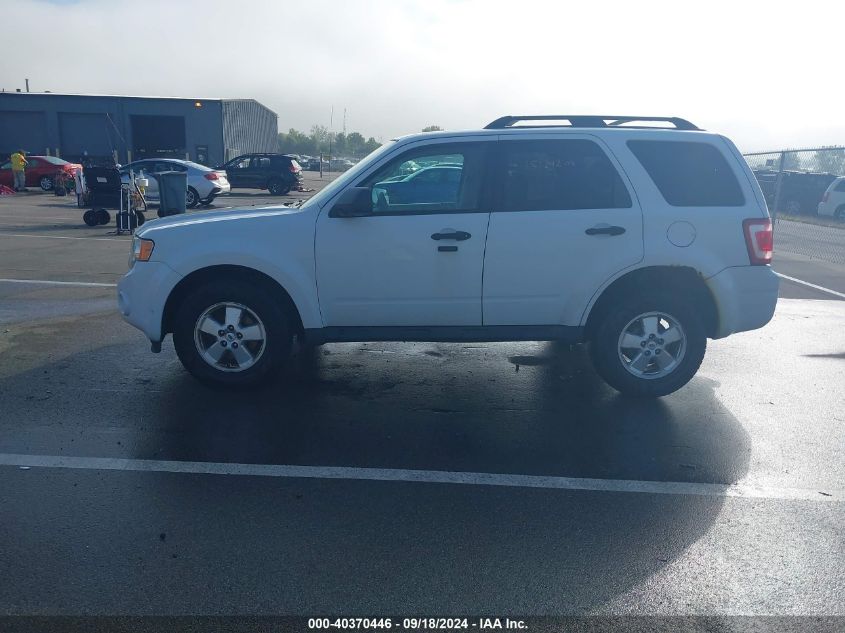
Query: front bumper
(142,294)
(745,297)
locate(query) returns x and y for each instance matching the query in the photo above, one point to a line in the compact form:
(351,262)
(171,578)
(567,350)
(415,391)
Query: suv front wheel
(648,346)
(232,334)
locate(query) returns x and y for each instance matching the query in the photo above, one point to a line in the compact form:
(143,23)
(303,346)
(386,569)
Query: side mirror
(355,202)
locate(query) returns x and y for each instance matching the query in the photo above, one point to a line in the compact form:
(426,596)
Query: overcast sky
(765,74)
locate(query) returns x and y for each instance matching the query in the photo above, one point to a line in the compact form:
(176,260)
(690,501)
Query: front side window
(433,179)
(689,173)
(560,174)
(241,163)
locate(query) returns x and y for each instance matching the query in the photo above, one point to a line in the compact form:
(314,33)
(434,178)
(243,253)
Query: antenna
(27,84)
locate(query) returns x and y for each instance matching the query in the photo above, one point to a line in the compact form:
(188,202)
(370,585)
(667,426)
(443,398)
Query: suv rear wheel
(232,334)
(278,187)
(648,346)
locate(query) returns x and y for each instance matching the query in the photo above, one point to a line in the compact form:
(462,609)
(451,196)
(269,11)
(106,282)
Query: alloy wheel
(652,345)
(230,337)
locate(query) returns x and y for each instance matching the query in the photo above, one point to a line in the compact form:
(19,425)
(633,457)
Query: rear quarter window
(689,173)
(840,186)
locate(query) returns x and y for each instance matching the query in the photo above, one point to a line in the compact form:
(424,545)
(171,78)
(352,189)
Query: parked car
(41,171)
(800,191)
(340,164)
(641,242)
(833,200)
(278,173)
(204,183)
(313,164)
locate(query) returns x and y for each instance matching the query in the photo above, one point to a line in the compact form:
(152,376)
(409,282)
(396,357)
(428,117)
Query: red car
(40,171)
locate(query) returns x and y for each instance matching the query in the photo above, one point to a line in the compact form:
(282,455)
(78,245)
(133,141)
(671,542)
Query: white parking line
(420,476)
(814,286)
(37,218)
(47,282)
(64,237)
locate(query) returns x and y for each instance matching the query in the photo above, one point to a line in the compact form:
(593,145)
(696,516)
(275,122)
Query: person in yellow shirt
(19,164)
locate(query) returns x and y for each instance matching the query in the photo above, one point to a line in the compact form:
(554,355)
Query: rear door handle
(458,236)
(605,230)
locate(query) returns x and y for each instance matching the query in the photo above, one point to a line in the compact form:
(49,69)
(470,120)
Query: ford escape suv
(641,236)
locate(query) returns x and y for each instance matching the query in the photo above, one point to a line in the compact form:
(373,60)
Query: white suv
(642,236)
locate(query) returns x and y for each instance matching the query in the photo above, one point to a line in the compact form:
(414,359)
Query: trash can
(172,188)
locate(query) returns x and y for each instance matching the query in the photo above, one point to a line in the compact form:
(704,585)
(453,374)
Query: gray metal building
(103,129)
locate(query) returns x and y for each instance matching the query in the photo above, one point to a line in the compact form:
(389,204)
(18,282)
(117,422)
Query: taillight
(294,167)
(212,175)
(759,240)
(825,196)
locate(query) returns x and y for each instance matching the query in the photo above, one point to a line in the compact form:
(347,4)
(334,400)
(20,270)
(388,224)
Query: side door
(565,220)
(237,171)
(147,169)
(34,171)
(408,264)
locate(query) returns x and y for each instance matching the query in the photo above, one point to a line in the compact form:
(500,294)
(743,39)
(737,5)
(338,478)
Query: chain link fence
(805,192)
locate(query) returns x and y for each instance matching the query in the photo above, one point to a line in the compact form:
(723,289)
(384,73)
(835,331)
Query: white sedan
(204,183)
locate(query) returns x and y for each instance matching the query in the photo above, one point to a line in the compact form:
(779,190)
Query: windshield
(339,183)
(53,160)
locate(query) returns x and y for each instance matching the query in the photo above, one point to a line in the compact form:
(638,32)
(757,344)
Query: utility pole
(331,135)
(27,84)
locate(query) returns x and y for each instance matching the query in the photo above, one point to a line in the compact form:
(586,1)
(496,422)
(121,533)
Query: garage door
(22,130)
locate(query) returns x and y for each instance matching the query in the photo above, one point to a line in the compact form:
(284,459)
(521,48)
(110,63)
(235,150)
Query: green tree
(341,147)
(320,137)
(355,143)
(295,142)
(791,161)
(432,128)
(371,145)
(831,161)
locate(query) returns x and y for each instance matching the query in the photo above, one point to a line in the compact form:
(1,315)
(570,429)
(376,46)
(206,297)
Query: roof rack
(592,120)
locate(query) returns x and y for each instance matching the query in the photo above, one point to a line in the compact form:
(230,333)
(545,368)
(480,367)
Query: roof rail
(591,120)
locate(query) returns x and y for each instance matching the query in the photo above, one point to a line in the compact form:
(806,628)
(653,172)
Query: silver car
(204,183)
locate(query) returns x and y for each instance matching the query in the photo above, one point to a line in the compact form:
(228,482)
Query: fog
(761,73)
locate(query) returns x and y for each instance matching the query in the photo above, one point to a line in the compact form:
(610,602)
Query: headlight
(142,250)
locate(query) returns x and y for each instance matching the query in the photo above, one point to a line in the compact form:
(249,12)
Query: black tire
(161,213)
(207,202)
(278,187)
(140,219)
(605,342)
(256,298)
(90,217)
(192,198)
(103,216)
(839,214)
(46,183)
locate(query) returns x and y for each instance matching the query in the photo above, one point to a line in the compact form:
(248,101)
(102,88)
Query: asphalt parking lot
(406,478)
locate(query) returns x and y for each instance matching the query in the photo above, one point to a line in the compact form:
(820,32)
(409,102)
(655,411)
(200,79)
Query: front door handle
(458,236)
(605,230)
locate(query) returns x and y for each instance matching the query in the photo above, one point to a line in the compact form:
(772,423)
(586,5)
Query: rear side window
(689,174)
(840,186)
(560,175)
